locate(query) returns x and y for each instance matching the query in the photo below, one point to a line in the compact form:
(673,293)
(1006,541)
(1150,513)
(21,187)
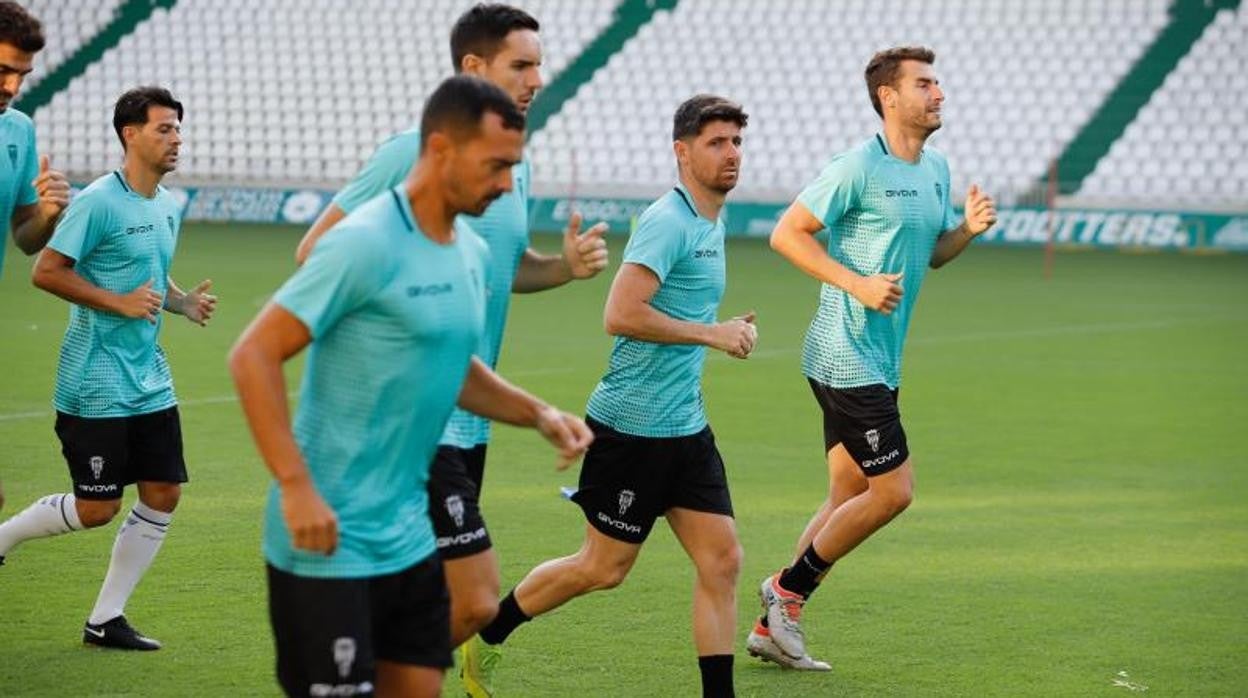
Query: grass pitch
(1079,522)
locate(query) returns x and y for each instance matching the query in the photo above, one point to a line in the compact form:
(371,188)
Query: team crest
(13,155)
(626,500)
(455,508)
(939,191)
(169,220)
(873,439)
(97,466)
(344,655)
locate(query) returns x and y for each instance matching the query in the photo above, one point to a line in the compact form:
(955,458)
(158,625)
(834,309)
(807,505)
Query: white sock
(50,516)
(138,541)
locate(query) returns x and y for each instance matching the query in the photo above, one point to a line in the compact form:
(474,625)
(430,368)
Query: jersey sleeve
(386,169)
(80,227)
(657,244)
(26,194)
(837,189)
(344,270)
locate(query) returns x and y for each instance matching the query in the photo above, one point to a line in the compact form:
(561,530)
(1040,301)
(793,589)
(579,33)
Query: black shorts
(867,421)
(629,481)
(107,453)
(454,501)
(329,633)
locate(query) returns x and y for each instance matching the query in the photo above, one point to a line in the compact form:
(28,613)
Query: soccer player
(32,194)
(886,205)
(499,43)
(392,302)
(116,414)
(654,454)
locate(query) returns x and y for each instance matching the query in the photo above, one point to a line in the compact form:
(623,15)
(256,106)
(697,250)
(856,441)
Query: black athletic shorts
(454,501)
(629,481)
(107,453)
(867,421)
(330,633)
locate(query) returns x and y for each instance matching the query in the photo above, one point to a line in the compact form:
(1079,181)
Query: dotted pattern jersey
(394,318)
(883,215)
(655,389)
(110,365)
(505,228)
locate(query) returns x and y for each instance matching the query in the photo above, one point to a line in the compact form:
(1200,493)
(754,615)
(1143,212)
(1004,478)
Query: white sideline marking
(224,399)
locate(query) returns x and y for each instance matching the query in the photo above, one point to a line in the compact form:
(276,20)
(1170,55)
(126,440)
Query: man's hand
(142,302)
(878,292)
(567,433)
(52,189)
(736,337)
(585,254)
(312,524)
(198,305)
(981,211)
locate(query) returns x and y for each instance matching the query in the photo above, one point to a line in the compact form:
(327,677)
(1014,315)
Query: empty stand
(1189,145)
(283,91)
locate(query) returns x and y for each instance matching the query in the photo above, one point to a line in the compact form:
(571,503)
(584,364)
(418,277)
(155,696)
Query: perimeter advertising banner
(1160,230)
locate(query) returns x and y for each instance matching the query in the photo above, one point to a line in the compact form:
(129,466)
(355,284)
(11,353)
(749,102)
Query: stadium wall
(1105,228)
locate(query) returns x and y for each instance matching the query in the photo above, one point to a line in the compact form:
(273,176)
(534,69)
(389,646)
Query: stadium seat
(240,66)
(1190,134)
(1002,126)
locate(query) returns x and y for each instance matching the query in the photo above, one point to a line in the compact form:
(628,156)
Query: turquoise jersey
(394,319)
(883,215)
(110,365)
(18,170)
(655,389)
(505,228)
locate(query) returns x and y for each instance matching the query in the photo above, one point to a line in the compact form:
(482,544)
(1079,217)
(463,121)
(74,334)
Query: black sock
(803,577)
(508,619)
(716,675)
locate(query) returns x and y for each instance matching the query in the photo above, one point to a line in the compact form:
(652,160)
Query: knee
(475,611)
(161,496)
(602,574)
(93,513)
(894,499)
(723,569)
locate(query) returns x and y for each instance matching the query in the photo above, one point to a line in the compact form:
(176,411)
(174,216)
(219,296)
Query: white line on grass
(224,399)
(1103,328)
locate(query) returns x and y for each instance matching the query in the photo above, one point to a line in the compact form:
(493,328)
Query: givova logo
(145,228)
(343,651)
(429,290)
(890,193)
(872,462)
(621,525)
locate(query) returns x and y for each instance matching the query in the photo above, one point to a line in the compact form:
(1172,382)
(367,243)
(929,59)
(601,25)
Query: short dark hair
(482,29)
(19,28)
(885,68)
(459,104)
(700,110)
(133,105)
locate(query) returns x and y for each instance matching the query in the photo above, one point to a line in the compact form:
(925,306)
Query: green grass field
(1080,505)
